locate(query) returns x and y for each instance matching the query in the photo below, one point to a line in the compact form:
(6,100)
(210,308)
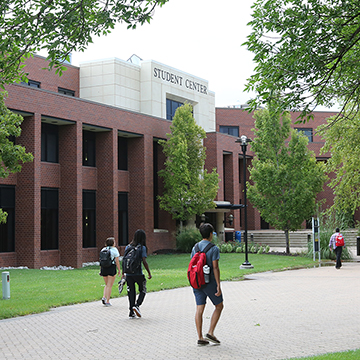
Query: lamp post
(244,140)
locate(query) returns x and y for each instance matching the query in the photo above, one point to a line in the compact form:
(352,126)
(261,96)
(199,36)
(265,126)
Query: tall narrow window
(171,106)
(122,153)
(7,230)
(49,143)
(89,218)
(123,219)
(49,219)
(89,153)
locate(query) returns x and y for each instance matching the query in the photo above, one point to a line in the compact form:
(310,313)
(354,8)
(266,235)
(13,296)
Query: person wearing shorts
(212,290)
(109,273)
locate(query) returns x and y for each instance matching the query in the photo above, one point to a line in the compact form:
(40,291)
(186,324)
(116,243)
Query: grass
(345,355)
(34,291)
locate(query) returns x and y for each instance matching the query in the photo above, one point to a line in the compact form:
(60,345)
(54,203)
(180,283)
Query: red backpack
(339,240)
(195,270)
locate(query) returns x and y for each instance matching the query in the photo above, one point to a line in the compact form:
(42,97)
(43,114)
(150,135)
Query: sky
(200,37)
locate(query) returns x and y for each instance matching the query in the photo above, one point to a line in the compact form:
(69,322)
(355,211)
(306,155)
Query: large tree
(189,188)
(284,178)
(59,27)
(307,52)
(342,140)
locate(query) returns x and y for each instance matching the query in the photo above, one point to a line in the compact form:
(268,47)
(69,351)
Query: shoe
(132,315)
(121,285)
(202,342)
(212,338)
(103,300)
(107,304)
(136,310)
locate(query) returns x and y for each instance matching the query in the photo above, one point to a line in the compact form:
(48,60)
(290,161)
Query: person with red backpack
(212,289)
(337,243)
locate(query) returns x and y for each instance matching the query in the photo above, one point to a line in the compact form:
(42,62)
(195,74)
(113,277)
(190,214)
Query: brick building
(94,135)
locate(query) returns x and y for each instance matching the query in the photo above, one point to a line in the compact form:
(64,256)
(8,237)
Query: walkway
(271,316)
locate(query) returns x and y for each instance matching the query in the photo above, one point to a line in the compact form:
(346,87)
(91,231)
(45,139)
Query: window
(49,219)
(122,153)
(49,143)
(7,230)
(123,219)
(230,130)
(307,132)
(171,106)
(89,154)
(89,218)
(66,91)
(31,83)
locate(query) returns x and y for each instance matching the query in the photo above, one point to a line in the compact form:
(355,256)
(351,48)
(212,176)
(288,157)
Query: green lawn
(346,355)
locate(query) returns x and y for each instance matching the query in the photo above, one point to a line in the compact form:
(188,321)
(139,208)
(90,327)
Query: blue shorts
(207,291)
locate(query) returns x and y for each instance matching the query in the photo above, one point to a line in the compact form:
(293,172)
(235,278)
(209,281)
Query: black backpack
(131,262)
(105,258)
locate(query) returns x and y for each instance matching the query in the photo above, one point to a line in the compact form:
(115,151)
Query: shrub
(229,248)
(261,250)
(267,249)
(223,248)
(239,249)
(186,239)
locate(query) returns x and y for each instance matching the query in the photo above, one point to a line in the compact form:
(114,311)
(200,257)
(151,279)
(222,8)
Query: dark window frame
(171,107)
(7,230)
(89,148)
(229,130)
(49,218)
(67,92)
(123,218)
(49,143)
(308,132)
(32,83)
(89,218)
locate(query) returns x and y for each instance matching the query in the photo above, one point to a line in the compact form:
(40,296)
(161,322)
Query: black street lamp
(244,142)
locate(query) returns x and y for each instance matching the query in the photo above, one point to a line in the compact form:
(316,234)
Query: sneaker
(137,311)
(107,304)
(121,285)
(103,300)
(132,315)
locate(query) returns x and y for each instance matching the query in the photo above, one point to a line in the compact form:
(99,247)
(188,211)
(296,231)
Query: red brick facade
(70,177)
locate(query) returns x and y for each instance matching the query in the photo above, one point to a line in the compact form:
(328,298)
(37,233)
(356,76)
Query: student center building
(94,135)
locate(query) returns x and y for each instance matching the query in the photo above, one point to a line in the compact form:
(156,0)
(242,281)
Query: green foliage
(188,188)
(186,239)
(284,179)
(342,140)
(309,61)
(60,27)
(11,155)
(267,249)
(260,250)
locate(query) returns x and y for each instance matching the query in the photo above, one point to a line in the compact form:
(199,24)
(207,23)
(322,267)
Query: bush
(223,248)
(267,249)
(261,250)
(186,239)
(229,248)
(239,249)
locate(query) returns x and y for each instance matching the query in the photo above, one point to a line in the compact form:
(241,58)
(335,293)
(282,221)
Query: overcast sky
(200,37)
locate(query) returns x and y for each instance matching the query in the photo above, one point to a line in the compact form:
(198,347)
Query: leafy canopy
(285,178)
(60,27)
(188,188)
(305,51)
(342,140)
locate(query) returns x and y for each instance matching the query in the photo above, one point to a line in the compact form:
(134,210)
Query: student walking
(337,243)
(109,272)
(135,255)
(211,290)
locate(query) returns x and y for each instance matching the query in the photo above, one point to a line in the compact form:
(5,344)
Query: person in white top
(109,273)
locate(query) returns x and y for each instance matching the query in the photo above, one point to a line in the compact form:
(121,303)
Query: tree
(342,140)
(188,188)
(306,51)
(59,27)
(284,179)
(10,154)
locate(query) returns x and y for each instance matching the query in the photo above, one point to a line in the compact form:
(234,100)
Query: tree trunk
(287,241)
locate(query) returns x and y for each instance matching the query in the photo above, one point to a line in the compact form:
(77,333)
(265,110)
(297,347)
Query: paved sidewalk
(271,316)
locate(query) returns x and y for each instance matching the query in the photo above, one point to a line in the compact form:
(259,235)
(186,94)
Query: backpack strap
(208,247)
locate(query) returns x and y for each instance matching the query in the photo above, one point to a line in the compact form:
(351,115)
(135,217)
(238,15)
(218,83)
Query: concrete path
(270,316)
